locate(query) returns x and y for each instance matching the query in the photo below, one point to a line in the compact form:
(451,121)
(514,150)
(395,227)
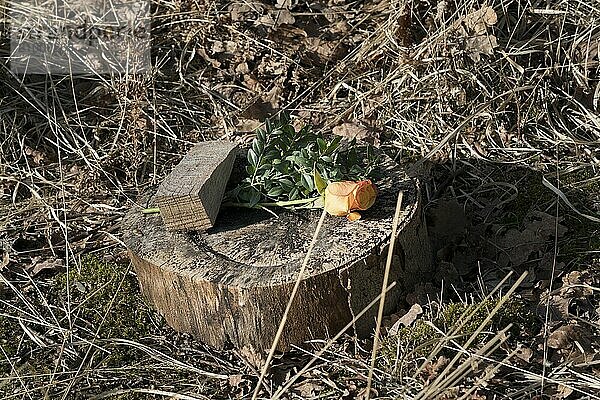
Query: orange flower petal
(343,197)
(344,188)
(353,216)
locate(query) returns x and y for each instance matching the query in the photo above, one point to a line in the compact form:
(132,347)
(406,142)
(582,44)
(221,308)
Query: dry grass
(419,76)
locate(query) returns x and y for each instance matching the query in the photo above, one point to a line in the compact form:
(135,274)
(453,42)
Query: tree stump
(231,283)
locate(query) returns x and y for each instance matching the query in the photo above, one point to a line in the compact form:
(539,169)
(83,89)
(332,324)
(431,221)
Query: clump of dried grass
(440,87)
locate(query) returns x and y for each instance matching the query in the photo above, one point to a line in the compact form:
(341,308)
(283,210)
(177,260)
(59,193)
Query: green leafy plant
(289,167)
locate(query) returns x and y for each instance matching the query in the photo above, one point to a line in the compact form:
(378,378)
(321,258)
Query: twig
(386,276)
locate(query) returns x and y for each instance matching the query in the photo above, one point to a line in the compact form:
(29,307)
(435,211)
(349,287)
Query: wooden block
(190,196)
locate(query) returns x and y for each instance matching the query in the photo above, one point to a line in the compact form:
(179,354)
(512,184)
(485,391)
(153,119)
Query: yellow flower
(341,198)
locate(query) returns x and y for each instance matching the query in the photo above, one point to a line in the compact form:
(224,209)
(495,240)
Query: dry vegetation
(494,105)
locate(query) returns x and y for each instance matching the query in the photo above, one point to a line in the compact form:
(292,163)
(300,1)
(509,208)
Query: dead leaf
(559,307)
(325,50)
(407,319)
(218,47)
(273,96)
(519,245)
(253,357)
(565,337)
(545,225)
(287,4)
(573,344)
(207,58)
(247,125)
(573,298)
(432,370)
(284,17)
(562,392)
(38,156)
(37,267)
(473,29)
(238,11)
(258,110)
(578,284)
(478,21)
(352,130)
(363,394)
(308,389)
(242,68)
(477,45)
(251,83)
(276,18)
(524,353)
(235,380)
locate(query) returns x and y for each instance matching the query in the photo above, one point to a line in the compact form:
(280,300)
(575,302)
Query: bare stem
(288,203)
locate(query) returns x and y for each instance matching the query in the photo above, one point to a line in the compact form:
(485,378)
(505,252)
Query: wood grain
(190,197)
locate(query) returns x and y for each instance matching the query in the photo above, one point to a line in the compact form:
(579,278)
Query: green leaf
(276,191)
(286,184)
(352,157)
(287,164)
(258,146)
(272,154)
(322,145)
(356,172)
(294,194)
(261,135)
(266,174)
(281,168)
(254,198)
(307,181)
(252,158)
(276,132)
(320,184)
(333,145)
(300,161)
(288,130)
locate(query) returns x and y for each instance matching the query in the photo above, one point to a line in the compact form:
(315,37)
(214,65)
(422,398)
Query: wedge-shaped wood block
(190,196)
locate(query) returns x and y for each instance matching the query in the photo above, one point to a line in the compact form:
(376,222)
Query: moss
(106,299)
(96,304)
(586,178)
(8,343)
(418,340)
(532,195)
(582,187)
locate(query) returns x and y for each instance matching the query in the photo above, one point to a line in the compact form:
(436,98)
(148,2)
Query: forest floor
(493,105)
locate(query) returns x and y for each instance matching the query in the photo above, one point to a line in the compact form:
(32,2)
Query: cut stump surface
(231,283)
